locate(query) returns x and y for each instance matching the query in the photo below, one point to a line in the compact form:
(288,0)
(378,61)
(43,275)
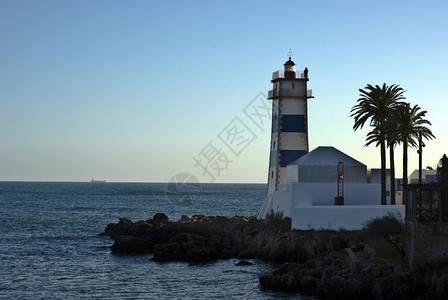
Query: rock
(185,218)
(143,228)
(308,284)
(353,288)
(266,281)
(358,247)
(227,254)
(243,263)
(286,268)
(441,284)
(160,217)
(336,243)
(405,284)
(111,230)
(201,254)
(368,252)
(331,286)
(166,252)
(309,264)
(282,282)
(382,270)
(312,262)
(125,222)
(182,238)
(126,244)
(124,227)
(245,255)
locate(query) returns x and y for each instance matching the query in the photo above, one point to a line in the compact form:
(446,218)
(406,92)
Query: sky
(142,91)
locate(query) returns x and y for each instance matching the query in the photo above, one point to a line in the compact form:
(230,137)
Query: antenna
(290,53)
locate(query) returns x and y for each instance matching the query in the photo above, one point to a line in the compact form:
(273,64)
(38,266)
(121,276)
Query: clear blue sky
(134,90)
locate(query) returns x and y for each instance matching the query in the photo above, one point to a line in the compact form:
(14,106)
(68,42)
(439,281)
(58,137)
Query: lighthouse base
(311,205)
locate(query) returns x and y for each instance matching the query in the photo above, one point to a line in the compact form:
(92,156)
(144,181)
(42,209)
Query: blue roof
(326,156)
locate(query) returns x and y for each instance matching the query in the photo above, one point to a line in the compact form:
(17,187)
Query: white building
(428,176)
(304,185)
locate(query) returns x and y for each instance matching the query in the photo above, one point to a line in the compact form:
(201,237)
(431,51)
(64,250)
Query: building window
(272,174)
(293,85)
(273,145)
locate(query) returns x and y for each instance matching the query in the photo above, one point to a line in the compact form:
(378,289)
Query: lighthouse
(289,134)
(302,183)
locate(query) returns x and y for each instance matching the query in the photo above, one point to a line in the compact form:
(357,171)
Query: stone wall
(426,242)
(426,224)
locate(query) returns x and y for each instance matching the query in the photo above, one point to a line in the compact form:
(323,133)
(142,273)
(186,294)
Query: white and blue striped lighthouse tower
(289,136)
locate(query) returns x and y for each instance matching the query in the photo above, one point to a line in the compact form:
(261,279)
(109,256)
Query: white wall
(282,176)
(280,200)
(311,205)
(293,173)
(293,141)
(324,193)
(291,195)
(293,107)
(337,217)
(320,174)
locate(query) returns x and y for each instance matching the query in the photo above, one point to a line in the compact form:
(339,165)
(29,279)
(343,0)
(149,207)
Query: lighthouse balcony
(281,74)
(279,93)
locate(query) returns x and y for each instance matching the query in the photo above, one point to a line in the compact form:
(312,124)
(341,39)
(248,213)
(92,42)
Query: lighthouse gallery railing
(290,93)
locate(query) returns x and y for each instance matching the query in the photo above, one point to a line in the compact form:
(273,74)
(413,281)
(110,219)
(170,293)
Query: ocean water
(50,247)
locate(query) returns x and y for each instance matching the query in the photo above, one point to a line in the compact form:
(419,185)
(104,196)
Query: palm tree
(391,144)
(375,104)
(411,122)
(375,137)
(392,140)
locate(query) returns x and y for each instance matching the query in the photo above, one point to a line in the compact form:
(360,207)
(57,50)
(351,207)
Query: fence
(426,203)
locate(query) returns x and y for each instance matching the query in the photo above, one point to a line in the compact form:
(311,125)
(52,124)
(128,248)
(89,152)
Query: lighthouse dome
(289,62)
(290,69)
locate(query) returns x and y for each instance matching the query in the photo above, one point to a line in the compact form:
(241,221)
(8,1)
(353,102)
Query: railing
(309,94)
(278,74)
(290,93)
(281,74)
(426,203)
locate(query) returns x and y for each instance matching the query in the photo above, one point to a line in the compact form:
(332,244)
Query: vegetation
(393,122)
(375,105)
(276,221)
(410,123)
(387,234)
(388,225)
(384,249)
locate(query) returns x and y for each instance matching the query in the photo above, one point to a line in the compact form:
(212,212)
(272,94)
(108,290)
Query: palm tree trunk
(405,164)
(383,172)
(392,174)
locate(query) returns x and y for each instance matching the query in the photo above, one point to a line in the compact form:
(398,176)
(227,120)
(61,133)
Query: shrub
(276,221)
(390,224)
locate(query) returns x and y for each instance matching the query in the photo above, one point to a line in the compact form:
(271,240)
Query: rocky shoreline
(327,263)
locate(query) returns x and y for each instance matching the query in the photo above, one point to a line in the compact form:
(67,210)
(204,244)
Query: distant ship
(96,180)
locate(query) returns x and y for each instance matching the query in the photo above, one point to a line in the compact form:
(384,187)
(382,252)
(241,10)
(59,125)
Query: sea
(50,247)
